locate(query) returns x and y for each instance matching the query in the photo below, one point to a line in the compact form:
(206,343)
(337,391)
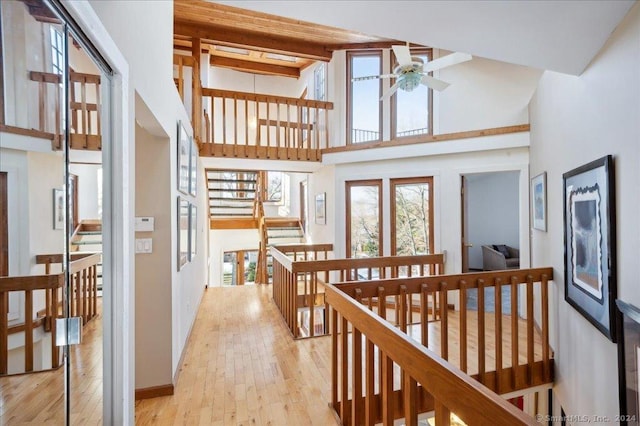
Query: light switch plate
(144,245)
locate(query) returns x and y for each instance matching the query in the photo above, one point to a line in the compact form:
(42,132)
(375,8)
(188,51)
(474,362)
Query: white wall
(88,207)
(492,212)
(323,181)
(576,120)
(143,32)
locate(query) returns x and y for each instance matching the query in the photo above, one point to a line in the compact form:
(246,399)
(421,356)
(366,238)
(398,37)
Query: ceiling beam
(239,64)
(369,45)
(253,41)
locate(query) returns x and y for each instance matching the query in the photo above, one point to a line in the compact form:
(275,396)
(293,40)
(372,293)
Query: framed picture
(589,243)
(628,361)
(321,209)
(184,145)
(539,201)
(193,168)
(58,209)
(183,232)
(193,227)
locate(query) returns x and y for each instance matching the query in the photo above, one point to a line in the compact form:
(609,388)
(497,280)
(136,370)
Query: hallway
(242,367)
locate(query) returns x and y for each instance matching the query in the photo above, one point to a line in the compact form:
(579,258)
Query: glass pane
(412,219)
(365,221)
(33,214)
(412,109)
(250,261)
(229,269)
(365,99)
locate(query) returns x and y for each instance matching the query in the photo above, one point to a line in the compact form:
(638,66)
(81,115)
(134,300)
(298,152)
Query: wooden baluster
(55,353)
(278,129)
(463,326)
(4,332)
(481,333)
(28,331)
(498,331)
(344,370)
(98,113)
(334,359)
(95,290)
(85,297)
(213,122)
(544,300)
(382,312)
(84,113)
(369,402)
(47,308)
(424,316)
(402,311)
(442,414)
(298,141)
(530,321)
(356,370)
(410,393)
(326,128)
(235,125)
(515,362)
(309,134)
(312,304)
(268,128)
(224,123)
(387,390)
(287,136)
(444,325)
(246,124)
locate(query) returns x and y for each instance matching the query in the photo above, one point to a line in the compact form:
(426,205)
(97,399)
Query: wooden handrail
(447,385)
(82,301)
(432,327)
(300,271)
(258,97)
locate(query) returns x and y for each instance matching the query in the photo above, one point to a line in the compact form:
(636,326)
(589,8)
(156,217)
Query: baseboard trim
(154,392)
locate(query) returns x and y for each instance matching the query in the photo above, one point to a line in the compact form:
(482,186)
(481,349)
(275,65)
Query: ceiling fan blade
(434,83)
(446,61)
(403,55)
(390,92)
(373,77)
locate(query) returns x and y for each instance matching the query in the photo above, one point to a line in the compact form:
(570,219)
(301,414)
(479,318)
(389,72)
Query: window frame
(349,102)
(393,184)
(355,183)
(394,98)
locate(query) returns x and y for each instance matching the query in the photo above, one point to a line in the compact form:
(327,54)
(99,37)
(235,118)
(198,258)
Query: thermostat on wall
(144,224)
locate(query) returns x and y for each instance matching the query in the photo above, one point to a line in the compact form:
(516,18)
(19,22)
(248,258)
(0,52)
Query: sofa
(500,257)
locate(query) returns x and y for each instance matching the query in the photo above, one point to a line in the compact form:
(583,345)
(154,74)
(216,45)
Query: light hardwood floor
(38,399)
(242,367)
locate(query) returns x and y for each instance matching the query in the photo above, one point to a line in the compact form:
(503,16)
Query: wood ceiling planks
(220,25)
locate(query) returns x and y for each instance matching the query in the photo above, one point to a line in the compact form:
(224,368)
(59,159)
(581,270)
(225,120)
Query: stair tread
(253,181)
(232,199)
(89,233)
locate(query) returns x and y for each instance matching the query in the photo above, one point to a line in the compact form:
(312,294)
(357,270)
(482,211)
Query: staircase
(88,239)
(276,231)
(232,193)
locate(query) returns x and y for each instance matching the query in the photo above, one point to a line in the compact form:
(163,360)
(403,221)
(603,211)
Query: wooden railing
(300,273)
(84,106)
(181,64)
(250,125)
(382,371)
(83,303)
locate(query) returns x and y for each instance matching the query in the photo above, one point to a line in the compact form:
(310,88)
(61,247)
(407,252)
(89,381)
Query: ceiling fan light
(409,81)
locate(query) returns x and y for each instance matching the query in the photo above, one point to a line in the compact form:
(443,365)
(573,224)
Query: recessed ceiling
(561,35)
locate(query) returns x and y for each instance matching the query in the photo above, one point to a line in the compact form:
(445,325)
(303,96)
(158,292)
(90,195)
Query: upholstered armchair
(500,257)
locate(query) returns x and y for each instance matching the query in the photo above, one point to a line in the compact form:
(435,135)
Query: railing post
(4,332)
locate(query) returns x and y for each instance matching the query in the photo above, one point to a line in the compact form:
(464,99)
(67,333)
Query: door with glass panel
(53,95)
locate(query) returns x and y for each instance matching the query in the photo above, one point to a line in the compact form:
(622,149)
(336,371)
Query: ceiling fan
(412,71)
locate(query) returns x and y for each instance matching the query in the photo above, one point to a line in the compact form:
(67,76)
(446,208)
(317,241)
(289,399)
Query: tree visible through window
(364,233)
(412,216)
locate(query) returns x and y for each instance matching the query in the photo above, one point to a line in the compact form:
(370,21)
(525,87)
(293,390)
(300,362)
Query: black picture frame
(193,167)
(183,232)
(193,229)
(321,209)
(628,362)
(539,202)
(590,243)
(184,154)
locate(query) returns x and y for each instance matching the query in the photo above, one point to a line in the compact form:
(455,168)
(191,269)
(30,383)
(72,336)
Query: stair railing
(83,303)
(437,361)
(300,274)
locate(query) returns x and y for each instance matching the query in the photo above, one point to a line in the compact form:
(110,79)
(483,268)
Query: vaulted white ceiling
(560,35)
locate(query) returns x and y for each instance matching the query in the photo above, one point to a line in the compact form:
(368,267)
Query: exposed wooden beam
(253,41)
(239,64)
(367,45)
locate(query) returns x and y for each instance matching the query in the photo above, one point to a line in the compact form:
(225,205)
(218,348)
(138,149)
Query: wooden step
(231,190)
(253,181)
(231,199)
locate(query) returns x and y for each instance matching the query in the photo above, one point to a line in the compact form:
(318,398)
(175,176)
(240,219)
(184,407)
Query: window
(57,49)
(363,100)
(411,111)
(411,216)
(320,82)
(274,186)
(364,218)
